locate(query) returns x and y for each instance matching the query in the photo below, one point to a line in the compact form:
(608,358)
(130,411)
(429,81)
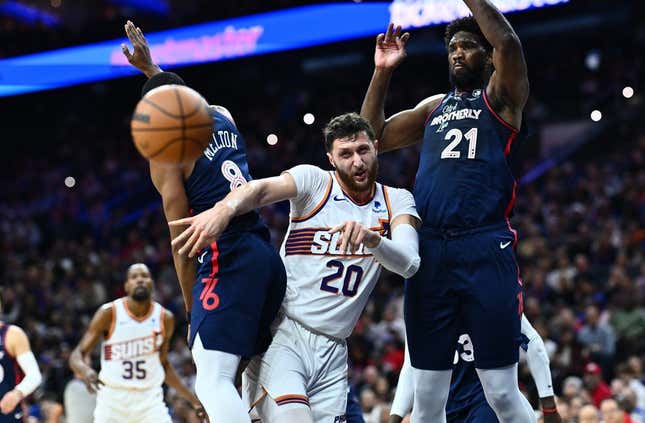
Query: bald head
(588,414)
(138,284)
(611,413)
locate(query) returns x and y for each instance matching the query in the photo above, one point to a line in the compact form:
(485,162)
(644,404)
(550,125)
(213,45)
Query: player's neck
(138,308)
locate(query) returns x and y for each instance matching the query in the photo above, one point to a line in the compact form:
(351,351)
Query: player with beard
(344,228)
(136,333)
(465,191)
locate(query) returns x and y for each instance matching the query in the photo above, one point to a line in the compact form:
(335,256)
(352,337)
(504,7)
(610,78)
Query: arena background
(77,205)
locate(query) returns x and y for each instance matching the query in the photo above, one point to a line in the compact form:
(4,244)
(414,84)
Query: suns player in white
(344,227)
(135,333)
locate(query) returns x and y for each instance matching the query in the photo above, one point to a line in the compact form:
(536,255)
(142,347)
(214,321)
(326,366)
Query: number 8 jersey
(326,289)
(464,179)
(130,352)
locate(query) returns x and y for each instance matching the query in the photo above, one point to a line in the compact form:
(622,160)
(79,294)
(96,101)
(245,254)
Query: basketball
(171,124)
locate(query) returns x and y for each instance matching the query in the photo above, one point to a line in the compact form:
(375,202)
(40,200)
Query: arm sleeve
(401,253)
(404,396)
(32,379)
(313,186)
(538,360)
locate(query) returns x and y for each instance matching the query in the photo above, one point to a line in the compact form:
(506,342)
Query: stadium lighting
(596,115)
(272,139)
(592,60)
(70,182)
(308,118)
(628,92)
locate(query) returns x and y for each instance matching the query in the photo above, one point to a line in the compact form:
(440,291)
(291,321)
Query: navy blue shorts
(478,413)
(467,282)
(354,414)
(239,289)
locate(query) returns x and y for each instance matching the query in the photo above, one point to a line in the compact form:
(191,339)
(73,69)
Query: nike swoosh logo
(337,198)
(503,245)
(201,258)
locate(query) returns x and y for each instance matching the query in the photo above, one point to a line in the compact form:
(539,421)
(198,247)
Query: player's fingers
(397,31)
(349,235)
(182,222)
(345,237)
(337,228)
(404,38)
(125,51)
(199,244)
(189,244)
(358,239)
(380,38)
(182,237)
(388,33)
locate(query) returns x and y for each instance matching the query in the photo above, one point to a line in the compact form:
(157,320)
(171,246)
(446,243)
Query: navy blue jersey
(10,374)
(464,179)
(219,170)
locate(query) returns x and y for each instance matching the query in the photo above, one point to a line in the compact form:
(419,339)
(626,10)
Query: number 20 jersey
(130,352)
(326,289)
(464,179)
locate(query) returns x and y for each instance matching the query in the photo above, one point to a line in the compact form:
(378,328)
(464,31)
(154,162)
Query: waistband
(451,233)
(283,315)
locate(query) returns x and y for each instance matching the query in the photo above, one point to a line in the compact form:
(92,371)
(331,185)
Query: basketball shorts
(468,281)
(130,406)
(239,289)
(300,367)
(478,413)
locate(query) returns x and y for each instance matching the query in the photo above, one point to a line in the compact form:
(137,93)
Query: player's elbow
(413,267)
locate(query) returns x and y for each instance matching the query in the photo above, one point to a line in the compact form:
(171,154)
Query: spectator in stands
(597,387)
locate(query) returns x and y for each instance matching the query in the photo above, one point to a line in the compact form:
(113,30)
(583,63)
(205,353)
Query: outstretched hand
(203,229)
(390,47)
(140,57)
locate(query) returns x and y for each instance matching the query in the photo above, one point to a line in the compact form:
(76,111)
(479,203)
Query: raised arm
(17,344)
(172,379)
(169,181)
(402,129)
(99,327)
(508,88)
(207,226)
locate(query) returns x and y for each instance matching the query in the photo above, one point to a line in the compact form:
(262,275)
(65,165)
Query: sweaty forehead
(463,36)
(352,140)
(137,269)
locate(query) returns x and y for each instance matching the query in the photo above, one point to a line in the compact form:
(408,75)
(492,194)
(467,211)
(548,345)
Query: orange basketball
(171,124)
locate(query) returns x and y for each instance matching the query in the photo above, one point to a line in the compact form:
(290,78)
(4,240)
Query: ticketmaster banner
(233,38)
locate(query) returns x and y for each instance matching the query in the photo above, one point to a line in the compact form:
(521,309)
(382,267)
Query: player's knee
(500,399)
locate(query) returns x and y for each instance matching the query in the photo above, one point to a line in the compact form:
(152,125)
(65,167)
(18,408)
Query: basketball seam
(176,128)
(183,126)
(161,109)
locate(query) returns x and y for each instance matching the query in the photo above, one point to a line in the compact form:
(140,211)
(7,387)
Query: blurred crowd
(78,207)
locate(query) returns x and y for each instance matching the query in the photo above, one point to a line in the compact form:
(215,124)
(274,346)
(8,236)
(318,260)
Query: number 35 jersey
(130,352)
(327,289)
(464,179)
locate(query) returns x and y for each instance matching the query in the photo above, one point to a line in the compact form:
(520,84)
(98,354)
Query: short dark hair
(344,126)
(466,24)
(163,78)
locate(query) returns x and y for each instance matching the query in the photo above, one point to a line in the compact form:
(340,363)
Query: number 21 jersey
(464,179)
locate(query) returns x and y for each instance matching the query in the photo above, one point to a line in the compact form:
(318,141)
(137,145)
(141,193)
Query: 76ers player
(234,304)
(19,372)
(466,403)
(465,192)
(333,252)
(136,333)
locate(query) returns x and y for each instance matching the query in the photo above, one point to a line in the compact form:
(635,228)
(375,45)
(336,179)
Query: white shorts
(300,367)
(130,406)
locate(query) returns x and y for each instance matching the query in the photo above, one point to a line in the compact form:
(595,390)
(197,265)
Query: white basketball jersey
(130,353)
(326,289)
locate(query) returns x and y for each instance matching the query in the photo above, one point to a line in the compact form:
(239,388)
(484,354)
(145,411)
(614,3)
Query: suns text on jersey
(325,243)
(132,348)
(221,139)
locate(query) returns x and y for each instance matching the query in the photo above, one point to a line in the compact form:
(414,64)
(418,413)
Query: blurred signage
(232,38)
